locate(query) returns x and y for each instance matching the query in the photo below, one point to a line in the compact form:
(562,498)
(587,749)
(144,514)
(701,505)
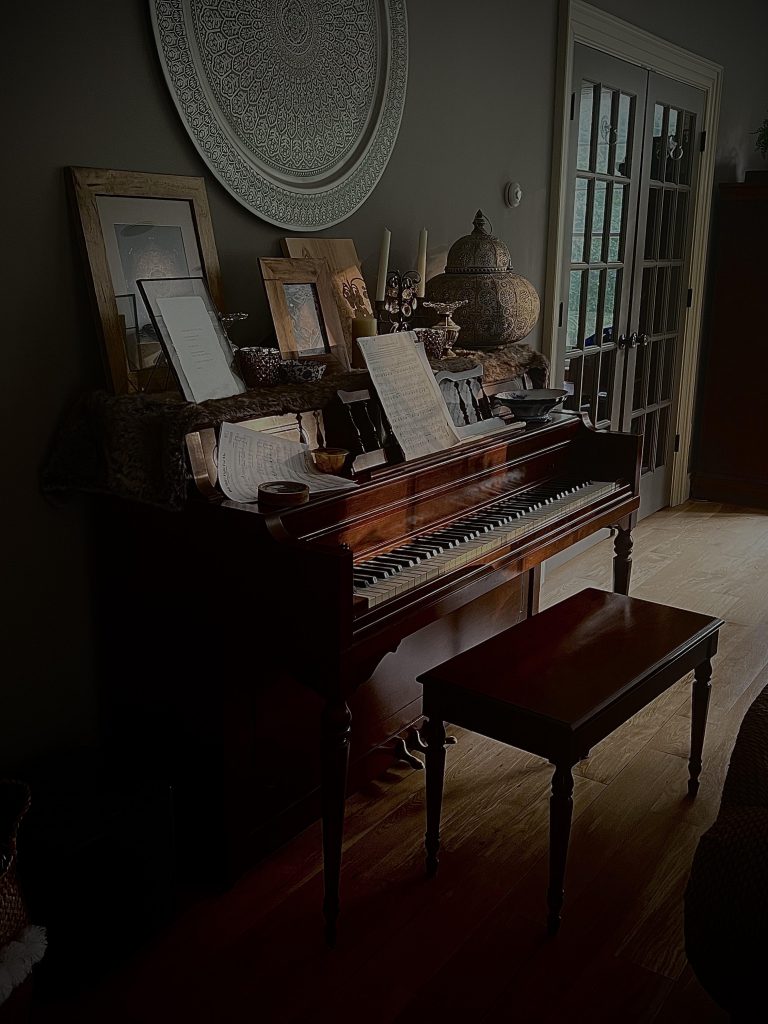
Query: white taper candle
(381,281)
(421,263)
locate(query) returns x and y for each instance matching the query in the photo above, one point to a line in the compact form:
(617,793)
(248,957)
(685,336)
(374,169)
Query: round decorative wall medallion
(295,105)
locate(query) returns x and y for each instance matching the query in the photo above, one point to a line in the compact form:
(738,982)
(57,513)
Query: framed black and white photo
(187,325)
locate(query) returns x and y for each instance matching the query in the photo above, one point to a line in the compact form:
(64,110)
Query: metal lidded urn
(502,306)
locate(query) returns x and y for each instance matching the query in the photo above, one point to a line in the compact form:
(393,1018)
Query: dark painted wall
(82,85)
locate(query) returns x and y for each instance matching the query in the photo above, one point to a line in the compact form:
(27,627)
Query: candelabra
(396,310)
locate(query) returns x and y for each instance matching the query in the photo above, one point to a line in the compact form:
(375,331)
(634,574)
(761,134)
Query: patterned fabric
(132,446)
(726,900)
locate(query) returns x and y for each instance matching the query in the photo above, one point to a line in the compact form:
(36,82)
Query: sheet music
(199,350)
(409,393)
(249,457)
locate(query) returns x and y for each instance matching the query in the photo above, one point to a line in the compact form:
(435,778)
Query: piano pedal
(401,752)
(416,740)
(402,748)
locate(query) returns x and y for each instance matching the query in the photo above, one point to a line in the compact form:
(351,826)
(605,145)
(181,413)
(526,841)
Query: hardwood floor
(472,941)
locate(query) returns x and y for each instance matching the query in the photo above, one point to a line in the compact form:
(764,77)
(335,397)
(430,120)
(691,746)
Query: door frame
(579,22)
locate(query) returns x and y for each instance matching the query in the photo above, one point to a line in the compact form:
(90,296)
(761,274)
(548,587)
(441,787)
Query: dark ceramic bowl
(301,371)
(534,405)
(259,367)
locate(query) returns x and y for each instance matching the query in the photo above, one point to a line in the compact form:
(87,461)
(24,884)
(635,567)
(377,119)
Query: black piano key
(363,579)
(420,550)
(396,564)
(464,532)
(405,561)
(443,539)
(379,572)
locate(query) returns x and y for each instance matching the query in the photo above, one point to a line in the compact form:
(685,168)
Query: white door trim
(582,23)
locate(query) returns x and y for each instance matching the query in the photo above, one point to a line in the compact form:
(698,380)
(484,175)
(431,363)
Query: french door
(633,157)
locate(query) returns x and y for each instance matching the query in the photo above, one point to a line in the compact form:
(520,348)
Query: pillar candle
(381,281)
(421,263)
(362,327)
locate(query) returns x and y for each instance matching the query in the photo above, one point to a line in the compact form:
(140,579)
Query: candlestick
(381,281)
(421,263)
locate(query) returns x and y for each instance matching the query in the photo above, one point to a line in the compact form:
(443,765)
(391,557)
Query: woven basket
(14,804)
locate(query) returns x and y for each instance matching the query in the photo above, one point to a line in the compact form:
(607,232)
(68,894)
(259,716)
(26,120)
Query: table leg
(702,687)
(622,561)
(336,727)
(434,759)
(560,813)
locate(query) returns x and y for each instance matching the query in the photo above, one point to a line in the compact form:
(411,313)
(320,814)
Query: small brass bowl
(330,460)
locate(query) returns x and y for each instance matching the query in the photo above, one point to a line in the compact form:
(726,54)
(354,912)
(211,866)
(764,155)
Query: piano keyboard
(424,559)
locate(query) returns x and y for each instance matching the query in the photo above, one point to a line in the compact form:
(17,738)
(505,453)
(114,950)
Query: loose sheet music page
(248,458)
(409,393)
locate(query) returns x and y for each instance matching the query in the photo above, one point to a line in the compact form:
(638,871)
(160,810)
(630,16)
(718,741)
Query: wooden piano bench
(557,684)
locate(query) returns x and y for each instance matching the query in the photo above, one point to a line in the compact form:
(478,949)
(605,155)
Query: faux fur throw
(18,958)
(132,446)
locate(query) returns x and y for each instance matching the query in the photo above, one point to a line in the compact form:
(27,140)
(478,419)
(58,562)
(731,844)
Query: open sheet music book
(411,397)
(249,457)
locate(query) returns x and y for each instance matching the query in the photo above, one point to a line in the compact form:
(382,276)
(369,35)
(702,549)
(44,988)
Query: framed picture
(304,310)
(136,225)
(349,289)
(196,346)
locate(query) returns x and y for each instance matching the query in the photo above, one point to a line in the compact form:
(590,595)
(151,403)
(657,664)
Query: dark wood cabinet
(731,454)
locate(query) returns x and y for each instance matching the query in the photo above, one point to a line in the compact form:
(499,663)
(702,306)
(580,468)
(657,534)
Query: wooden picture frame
(304,312)
(172,203)
(349,288)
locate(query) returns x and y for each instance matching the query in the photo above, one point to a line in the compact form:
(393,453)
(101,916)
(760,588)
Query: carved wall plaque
(295,105)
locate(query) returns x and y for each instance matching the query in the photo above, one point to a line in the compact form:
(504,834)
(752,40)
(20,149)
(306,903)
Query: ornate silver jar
(502,306)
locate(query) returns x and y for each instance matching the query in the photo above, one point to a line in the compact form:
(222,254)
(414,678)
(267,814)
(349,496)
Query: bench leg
(560,813)
(701,689)
(622,561)
(434,759)
(337,724)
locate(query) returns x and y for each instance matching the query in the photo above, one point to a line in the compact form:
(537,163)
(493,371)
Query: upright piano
(455,538)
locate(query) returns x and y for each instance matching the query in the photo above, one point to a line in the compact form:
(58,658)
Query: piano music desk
(557,684)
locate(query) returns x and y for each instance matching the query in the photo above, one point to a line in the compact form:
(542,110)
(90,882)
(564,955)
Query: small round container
(330,460)
(301,371)
(282,494)
(260,367)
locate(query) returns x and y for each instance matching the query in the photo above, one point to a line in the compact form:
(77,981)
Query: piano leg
(622,560)
(336,727)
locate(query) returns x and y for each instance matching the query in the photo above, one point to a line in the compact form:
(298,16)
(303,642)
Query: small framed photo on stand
(304,310)
(189,330)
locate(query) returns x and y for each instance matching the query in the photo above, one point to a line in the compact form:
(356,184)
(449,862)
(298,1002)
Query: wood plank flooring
(472,941)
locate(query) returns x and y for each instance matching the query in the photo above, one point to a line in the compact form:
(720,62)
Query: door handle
(632,340)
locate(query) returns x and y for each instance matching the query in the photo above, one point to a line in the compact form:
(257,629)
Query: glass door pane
(604,162)
(660,282)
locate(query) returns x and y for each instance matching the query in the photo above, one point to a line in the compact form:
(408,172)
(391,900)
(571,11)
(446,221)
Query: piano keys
(447,550)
